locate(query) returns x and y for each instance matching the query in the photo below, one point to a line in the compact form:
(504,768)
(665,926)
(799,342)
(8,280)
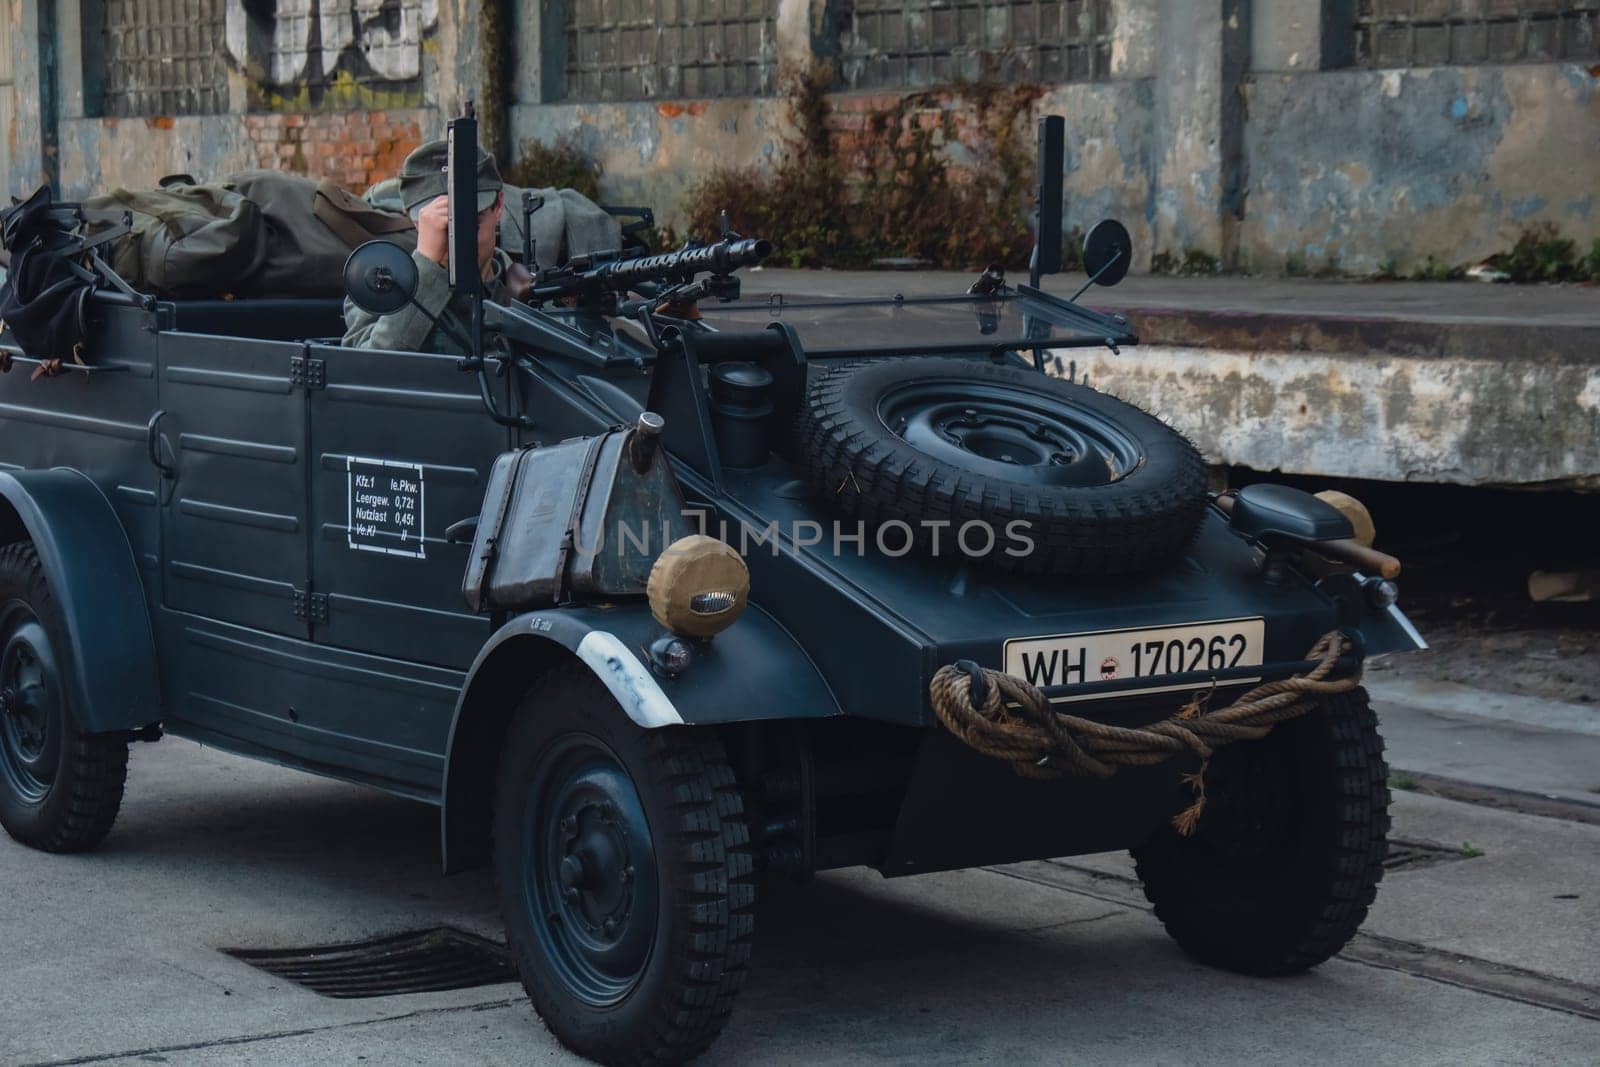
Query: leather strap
(579,499)
(490,536)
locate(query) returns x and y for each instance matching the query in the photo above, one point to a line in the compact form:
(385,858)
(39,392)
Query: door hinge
(308,372)
(310,606)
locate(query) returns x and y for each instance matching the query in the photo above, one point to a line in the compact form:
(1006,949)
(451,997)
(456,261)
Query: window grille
(896,44)
(650,49)
(162,57)
(1428,33)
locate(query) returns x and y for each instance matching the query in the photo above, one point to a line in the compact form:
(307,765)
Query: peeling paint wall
(652,152)
(1458,421)
(1359,168)
(1217,131)
(19,100)
(306,112)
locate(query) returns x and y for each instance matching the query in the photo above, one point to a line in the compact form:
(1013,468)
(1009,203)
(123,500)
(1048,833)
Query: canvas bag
(186,239)
(309,229)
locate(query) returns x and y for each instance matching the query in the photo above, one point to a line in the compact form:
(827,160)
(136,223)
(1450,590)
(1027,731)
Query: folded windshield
(1015,319)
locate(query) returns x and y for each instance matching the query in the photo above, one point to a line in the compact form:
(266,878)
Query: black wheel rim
(1008,433)
(589,870)
(30,704)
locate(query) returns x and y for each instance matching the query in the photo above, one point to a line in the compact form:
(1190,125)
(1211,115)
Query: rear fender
(753,670)
(109,647)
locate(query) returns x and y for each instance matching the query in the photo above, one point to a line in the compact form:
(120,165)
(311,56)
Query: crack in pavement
(1501,798)
(1073,922)
(1500,980)
(276,1035)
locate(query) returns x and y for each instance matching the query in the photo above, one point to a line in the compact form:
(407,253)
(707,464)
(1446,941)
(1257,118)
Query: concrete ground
(1438,302)
(113,957)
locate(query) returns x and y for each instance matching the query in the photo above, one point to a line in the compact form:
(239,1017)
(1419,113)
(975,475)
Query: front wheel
(625,874)
(1289,849)
(60,786)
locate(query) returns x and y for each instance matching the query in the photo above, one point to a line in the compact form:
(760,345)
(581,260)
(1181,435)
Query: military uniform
(422,179)
(409,330)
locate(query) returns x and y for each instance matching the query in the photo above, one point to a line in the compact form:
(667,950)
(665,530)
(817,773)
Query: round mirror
(1107,252)
(380,277)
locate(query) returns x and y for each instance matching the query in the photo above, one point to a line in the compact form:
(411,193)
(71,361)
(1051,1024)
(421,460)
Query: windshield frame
(1048,322)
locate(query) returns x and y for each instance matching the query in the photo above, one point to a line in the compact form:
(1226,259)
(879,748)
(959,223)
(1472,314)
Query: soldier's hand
(518,281)
(433,230)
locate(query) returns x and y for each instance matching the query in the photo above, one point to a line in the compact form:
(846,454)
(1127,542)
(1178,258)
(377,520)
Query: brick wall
(858,124)
(354,148)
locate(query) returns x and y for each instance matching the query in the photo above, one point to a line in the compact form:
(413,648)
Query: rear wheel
(1289,849)
(60,786)
(625,874)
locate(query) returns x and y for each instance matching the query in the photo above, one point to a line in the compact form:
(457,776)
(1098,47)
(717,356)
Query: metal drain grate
(1410,855)
(425,961)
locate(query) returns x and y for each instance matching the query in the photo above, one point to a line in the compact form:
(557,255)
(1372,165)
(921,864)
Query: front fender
(753,670)
(1377,630)
(92,573)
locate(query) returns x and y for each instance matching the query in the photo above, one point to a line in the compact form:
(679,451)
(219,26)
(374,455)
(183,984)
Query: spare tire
(1067,479)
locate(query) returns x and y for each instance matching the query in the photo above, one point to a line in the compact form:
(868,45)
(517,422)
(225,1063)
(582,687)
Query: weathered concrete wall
(298,113)
(653,152)
(1197,120)
(1112,158)
(1219,134)
(1218,131)
(1462,421)
(354,148)
(19,109)
(1363,167)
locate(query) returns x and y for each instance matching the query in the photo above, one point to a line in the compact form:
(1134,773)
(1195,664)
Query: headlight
(698,586)
(1354,510)
(1381,592)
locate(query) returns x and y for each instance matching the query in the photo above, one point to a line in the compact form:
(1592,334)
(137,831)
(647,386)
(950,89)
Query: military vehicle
(938,596)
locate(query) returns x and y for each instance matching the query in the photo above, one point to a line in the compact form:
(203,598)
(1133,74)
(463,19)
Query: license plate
(1120,655)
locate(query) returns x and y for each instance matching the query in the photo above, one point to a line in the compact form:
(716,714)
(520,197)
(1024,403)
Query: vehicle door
(233,429)
(400,449)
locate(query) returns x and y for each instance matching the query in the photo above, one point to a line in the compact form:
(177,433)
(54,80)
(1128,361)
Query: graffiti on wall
(330,53)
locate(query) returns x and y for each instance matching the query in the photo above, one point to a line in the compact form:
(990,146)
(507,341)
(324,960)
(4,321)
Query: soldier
(422,190)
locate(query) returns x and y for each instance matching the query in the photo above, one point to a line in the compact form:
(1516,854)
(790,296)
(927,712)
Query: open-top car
(661,592)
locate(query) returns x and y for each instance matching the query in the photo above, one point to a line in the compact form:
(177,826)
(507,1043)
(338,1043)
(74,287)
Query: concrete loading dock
(1459,383)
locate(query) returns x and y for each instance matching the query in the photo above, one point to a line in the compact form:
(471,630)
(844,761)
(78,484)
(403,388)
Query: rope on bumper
(1002,716)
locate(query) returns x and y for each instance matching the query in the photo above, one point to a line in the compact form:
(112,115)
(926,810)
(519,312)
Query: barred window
(157,57)
(648,49)
(896,44)
(1427,33)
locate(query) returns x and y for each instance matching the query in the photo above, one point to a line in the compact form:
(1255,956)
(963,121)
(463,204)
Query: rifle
(599,278)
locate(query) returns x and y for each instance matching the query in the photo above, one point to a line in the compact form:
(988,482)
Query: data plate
(1121,655)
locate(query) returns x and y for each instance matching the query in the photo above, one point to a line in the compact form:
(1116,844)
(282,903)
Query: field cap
(422,177)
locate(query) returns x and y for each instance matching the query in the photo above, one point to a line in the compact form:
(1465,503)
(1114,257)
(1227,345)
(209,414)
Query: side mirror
(1107,252)
(380,277)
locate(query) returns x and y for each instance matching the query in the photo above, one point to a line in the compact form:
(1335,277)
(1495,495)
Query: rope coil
(1013,721)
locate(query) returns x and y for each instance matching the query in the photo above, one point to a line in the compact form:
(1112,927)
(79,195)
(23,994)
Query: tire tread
(95,765)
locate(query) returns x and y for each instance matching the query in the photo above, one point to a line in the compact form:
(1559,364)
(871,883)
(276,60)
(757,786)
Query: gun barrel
(719,258)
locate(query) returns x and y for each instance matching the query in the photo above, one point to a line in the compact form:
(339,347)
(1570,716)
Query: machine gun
(599,279)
